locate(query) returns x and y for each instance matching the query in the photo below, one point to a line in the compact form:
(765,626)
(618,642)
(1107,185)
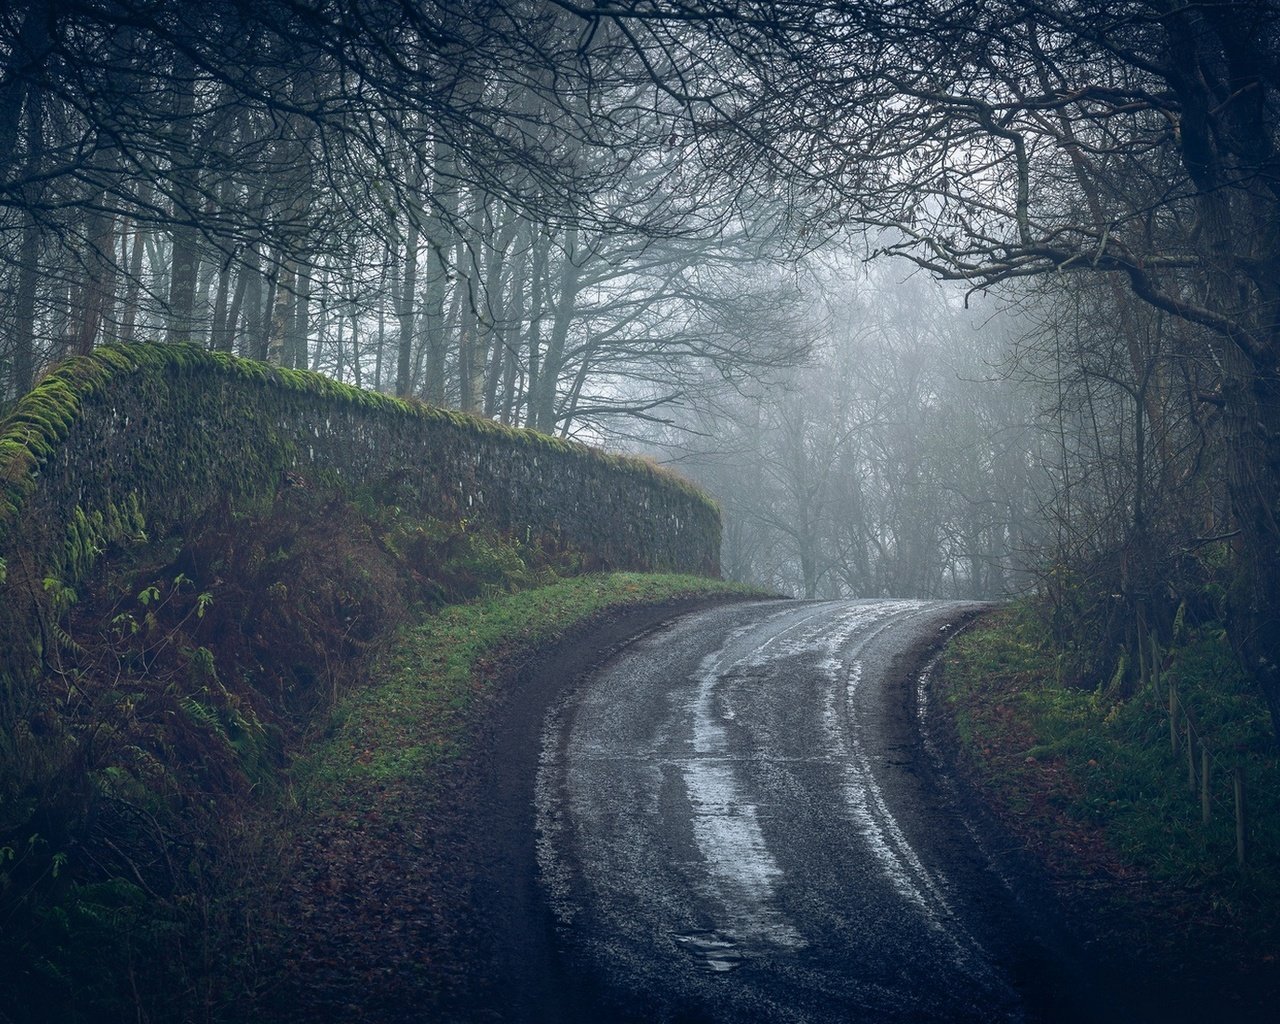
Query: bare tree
(1000,140)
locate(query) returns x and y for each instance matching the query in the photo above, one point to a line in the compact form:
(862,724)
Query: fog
(935,302)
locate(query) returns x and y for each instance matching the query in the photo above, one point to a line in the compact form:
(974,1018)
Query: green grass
(1085,765)
(438,672)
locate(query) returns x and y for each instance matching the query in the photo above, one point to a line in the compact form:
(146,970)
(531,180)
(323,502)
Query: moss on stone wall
(143,440)
(168,431)
(196,554)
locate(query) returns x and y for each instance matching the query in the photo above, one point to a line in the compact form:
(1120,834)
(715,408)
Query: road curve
(735,822)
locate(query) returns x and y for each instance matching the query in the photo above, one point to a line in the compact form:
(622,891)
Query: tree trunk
(357,375)
(439,239)
(566,305)
(537,295)
(378,356)
(404,313)
(1218,72)
(99,284)
(184,258)
(238,301)
(24,306)
(1253,607)
(489,358)
(282,317)
(507,336)
(260,334)
(97,294)
(18,91)
(467,344)
(299,328)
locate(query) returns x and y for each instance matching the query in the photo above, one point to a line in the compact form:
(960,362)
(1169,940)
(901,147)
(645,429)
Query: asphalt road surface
(736,821)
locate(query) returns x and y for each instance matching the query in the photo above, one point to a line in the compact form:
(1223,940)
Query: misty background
(937,301)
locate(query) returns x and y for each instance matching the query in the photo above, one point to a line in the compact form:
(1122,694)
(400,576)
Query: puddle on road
(714,953)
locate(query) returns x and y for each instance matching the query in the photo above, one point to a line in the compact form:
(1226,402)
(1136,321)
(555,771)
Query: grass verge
(438,672)
(1089,781)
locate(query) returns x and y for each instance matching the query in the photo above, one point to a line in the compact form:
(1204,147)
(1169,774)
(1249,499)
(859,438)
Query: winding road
(737,820)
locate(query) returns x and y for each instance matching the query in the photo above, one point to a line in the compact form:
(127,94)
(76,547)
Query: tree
(496,182)
(889,465)
(998,140)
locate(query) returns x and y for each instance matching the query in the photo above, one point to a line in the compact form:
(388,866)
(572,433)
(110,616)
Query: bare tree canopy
(480,204)
(577,215)
(996,141)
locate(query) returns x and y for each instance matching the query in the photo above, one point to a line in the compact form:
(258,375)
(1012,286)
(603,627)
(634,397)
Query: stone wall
(150,437)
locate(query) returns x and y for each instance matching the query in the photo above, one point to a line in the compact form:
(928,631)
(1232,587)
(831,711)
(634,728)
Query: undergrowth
(1083,761)
(145,801)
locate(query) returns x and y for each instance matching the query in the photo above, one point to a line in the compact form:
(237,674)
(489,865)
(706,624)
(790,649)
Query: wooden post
(1241,850)
(1204,785)
(1191,760)
(1173,718)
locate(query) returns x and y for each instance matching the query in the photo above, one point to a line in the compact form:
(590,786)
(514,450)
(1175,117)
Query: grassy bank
(1089,780)
(439,672)
(206,698)
(378,916)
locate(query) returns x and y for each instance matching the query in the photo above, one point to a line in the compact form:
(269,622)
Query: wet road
(736,822)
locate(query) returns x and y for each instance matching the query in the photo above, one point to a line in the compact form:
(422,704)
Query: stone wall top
(149,437)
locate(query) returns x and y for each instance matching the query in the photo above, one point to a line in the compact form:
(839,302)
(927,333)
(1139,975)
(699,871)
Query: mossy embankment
(1086,777)
(201,559)
(251,749)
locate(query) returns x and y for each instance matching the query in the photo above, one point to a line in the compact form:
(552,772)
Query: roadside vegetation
(210,696)
(1084,771)
(440,669)
(377,911)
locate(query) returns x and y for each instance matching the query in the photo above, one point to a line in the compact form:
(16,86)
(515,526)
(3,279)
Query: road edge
(1098,916)
(513,938)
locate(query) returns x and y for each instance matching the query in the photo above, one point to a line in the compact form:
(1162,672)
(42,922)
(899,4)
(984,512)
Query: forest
(937,299)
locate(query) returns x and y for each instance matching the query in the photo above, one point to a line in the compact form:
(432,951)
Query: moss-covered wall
(151,437)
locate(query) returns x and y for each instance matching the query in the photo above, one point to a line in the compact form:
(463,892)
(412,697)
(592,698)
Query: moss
(89,534)
(44,417)
(159,435)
